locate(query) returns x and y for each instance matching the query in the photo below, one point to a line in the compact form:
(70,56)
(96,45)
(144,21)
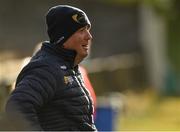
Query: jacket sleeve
(32,91)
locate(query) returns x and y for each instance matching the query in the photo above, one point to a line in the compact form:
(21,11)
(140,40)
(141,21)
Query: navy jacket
(50,93)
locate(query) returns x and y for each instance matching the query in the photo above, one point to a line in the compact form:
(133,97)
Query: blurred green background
(135,53)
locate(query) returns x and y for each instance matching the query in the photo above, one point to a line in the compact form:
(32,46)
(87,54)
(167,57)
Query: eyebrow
(88,27)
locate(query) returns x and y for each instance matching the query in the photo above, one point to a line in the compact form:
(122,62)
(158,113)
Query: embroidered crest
(68,79)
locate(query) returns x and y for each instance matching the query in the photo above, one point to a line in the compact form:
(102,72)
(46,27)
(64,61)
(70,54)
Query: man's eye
(82,29)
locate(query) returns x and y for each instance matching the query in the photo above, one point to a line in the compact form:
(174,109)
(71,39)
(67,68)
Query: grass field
(148,112)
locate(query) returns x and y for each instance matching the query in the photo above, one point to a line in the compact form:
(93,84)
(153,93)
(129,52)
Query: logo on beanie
(79,18)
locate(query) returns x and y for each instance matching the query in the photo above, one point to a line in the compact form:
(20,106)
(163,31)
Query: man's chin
(85,55)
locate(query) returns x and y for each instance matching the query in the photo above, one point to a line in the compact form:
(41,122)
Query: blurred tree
(173,35)
(169,9)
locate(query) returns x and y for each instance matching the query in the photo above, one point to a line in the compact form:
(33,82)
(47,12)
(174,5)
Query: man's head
(69,27)
(63,21)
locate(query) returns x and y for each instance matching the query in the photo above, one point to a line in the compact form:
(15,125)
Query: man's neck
(77,60)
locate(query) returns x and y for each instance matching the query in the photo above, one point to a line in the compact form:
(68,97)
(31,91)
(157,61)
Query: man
(50,93)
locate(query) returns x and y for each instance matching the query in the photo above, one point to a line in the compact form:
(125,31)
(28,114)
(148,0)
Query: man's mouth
(85,46)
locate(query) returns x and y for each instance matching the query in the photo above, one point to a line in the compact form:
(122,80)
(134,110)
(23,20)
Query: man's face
(80,41)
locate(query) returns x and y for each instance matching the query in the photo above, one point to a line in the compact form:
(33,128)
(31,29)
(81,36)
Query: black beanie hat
(63,20)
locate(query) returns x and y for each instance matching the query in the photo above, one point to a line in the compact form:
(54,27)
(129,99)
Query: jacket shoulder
(52,67)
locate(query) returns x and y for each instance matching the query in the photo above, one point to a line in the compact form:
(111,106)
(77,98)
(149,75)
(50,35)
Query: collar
(65,54)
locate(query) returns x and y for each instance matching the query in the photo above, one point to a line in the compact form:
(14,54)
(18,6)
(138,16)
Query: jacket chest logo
(68,80)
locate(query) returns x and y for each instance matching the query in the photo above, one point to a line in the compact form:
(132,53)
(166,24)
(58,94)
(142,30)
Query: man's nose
(88,35)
